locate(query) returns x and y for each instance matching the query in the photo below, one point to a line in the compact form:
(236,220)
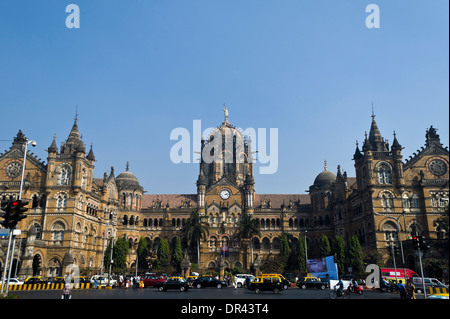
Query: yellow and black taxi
(267,283)
(34,280)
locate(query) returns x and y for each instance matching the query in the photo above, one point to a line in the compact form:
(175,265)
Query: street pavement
(227,293)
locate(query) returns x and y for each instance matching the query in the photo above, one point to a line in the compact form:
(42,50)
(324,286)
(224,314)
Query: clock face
(225,194)
(437,167)
(14,169)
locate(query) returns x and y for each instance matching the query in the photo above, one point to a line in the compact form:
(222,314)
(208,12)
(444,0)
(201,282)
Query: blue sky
(139,69)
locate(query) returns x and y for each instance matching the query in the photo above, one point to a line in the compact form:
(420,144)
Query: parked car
(429,283)
(266,283)
(209,282)
(311,282)
(152,280)
(240,279)
(56,280)
(34,280)
(178,283)
(103,280)
(14,281)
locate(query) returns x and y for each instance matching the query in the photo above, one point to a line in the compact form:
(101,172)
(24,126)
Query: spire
(375,138)
(127,167)
(74,142)
(53,148)
(357,152)
(91,156)
(396,145)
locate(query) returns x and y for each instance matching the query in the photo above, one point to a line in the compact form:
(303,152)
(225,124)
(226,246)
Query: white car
(240,279)
(14,281)
(103,280)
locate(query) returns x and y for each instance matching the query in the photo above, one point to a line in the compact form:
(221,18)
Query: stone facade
(72,214)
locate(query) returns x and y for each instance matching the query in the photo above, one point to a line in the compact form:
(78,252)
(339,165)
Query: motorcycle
(336,293)
(356,290)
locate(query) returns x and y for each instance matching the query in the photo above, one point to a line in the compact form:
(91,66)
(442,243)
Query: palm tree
(195,229)
(248,228)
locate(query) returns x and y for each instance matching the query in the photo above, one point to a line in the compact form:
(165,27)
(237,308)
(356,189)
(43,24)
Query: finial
(373,114)
(128,165)
(225,111)
(326,165)
(76,113)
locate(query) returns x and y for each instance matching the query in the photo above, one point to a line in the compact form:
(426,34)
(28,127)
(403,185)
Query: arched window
(61,201)
(58,231)
(65,175)
(387,201)
(384,174)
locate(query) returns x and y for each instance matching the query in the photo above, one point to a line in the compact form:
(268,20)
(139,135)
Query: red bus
(389,274)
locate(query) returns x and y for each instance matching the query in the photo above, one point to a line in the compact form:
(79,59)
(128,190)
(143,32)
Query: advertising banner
(324,268)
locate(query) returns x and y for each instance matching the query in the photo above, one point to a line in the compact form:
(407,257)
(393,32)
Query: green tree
(285,249)
(301,254)
(339,251)
(119,256)
(355,255)
(195,229)
(177,253)
(142,253)
(163,254)
(325,248)
(248,228)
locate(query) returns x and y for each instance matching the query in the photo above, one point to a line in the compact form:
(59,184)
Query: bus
(389,274)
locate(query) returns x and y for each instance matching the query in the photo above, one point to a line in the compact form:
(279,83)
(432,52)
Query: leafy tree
(248,228)
(142,253)
(285,249)
(339,251)
(355,255)
(195,229)
(324,249)
(119,256)
(301,254)
(163,253)
(177,253)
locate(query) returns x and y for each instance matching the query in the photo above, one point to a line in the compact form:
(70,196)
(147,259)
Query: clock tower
(225,186)
(226,173)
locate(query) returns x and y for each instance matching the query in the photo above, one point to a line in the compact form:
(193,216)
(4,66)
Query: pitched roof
(174,200)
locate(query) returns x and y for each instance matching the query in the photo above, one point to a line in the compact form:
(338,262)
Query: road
(200,294)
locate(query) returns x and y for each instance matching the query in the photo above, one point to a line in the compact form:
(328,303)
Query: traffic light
(5,212)
(422,243)
(17,211)
(416,242)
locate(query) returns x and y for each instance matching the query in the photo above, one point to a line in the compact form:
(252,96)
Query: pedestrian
(411,290)
(120,281)
(235,282)
(402,289)
(247,282)
(95,282)
(66,292)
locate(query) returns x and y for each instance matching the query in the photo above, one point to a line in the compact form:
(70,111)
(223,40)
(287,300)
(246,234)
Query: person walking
(411,290)
(402,289)
(235,285)
(66,292)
